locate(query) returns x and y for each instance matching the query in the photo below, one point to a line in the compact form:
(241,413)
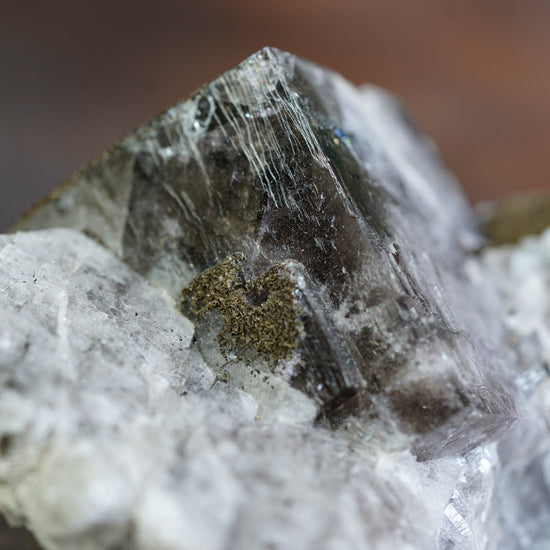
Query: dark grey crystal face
(282,163)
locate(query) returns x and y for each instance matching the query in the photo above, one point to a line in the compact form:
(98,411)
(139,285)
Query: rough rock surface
(522,274)
(114,434)
(331,192)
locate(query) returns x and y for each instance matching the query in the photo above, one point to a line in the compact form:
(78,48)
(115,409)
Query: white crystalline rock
(522,274)
(113,434)
(502,498)
(522,494)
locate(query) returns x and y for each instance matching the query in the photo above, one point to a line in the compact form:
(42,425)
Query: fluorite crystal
(331,191)
(264,321)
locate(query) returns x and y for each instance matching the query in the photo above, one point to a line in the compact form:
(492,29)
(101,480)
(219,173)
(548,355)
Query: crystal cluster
(262,321)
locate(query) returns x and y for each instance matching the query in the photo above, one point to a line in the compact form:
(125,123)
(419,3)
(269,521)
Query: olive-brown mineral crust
(301,176)
(261,313)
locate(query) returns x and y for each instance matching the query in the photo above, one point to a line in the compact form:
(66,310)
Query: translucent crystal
(284,163)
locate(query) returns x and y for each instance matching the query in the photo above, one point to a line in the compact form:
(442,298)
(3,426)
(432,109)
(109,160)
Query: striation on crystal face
(282,163)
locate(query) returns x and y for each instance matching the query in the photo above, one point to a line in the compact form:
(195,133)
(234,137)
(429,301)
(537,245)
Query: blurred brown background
(75,76)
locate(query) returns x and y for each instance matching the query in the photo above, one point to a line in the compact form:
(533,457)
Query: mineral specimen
(263,320)
(281,163)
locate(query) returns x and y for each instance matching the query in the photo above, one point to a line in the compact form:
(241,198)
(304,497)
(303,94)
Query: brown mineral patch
(261,313)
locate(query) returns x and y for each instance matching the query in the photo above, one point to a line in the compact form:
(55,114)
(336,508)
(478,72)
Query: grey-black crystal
(343,246)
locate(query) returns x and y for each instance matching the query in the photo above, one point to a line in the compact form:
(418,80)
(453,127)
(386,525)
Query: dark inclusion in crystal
(331,220)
